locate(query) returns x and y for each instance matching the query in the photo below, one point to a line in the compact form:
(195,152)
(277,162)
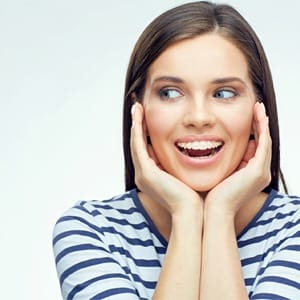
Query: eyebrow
(174,79)
(227,80)
(168,79)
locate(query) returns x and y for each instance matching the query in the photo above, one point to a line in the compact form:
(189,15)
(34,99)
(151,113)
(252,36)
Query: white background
(62,70)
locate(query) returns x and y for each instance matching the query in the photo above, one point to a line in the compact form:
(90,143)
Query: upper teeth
(200,145)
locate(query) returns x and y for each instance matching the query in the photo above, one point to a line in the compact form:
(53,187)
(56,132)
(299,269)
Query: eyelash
(224,90)
(163,91)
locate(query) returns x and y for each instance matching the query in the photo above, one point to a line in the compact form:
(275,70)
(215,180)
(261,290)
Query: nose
(199,113)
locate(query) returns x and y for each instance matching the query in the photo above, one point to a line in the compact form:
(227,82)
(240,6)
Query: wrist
(218,213)
(188,214)
(187,206)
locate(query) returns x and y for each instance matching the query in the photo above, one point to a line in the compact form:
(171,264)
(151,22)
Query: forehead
(205,57)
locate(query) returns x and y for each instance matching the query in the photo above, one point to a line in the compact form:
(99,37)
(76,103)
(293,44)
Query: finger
(257,117)
(153,156)
(137,131)
(262,135)
(260,118)
(138,139)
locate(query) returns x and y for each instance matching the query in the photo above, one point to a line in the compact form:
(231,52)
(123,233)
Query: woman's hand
(150,178)
(253,173)
(180,274)
(222,203)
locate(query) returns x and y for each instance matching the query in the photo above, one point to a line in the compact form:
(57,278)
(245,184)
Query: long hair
(185,22)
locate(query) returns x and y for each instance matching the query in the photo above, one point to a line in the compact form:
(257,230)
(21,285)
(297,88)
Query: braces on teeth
(200,145)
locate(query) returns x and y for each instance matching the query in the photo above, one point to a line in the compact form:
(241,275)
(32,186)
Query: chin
(204,182)
(202,188)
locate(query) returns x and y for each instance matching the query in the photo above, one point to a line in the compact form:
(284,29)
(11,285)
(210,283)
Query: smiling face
(198,105)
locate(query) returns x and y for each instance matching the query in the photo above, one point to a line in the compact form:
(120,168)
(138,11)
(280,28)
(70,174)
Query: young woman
(202,217)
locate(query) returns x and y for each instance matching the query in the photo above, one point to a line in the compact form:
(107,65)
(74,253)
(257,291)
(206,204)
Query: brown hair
(188,21)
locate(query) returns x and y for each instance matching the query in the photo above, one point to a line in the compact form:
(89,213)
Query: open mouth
(200,149)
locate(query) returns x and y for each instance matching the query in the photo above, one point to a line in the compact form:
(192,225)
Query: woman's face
(198,105)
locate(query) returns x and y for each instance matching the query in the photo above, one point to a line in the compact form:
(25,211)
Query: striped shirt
(111,249)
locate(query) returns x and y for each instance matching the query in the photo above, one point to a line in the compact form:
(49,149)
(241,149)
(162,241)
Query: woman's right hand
(150,178)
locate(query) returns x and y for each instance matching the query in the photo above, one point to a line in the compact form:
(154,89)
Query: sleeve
(86,268)
(280,279)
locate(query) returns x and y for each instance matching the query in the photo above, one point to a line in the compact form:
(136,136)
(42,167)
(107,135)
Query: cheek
(241,119)
(241,129)
(157,122)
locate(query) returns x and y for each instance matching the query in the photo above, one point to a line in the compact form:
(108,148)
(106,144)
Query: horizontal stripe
(118,237)
(249,281)
(137,261)
(84,264)
(281,280)
(76,248)
(286,264)
(95,209)
(268,296)
(78,288)
(74,232)
(273,248)
(278,216)
(265,236)
(294,203)
(124,222)
(108,229)
(292,248)
(112,292)
(81,220)
(138,279)
(121,211)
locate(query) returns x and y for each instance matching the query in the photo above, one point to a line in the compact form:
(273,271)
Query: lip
(199,162)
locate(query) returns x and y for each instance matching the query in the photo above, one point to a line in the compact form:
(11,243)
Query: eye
(169,93)
(224,94)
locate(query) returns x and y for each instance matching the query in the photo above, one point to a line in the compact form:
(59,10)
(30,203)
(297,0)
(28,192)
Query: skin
(199,89)
(193,110)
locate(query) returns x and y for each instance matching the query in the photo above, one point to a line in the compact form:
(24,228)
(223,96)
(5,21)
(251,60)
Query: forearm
(221,274)
(180,274)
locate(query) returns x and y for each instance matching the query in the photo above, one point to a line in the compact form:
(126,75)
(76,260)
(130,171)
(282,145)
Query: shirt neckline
(151,224)
(266,204)
(164,242)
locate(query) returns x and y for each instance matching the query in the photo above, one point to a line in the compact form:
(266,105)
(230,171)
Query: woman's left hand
(252,175)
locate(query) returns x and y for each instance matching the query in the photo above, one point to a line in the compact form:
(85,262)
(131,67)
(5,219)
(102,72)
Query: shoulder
(286,215)
(89,209)
(98,216)
(281,206)
(278,219)
(281,211)
(95,242)
(270,250)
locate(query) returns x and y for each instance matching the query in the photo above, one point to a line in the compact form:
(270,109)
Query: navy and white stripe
(111,250)
(270,250)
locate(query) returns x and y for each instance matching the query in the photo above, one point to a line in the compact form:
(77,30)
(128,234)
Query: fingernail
(263,107)
(133,108)
(132,124)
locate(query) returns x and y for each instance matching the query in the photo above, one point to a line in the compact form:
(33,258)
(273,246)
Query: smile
(200,149)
